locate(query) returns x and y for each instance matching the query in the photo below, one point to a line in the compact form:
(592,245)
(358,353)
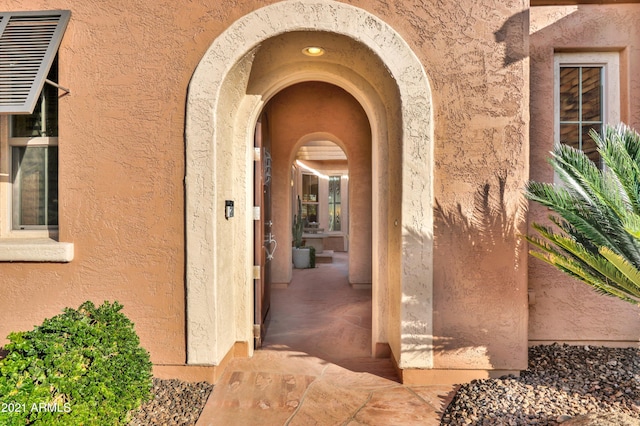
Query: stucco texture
(377,67)
(566,309)
(128,66)
(122,165)
(479,71)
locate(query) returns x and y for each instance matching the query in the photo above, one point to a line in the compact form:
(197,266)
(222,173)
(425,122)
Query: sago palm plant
(598,214)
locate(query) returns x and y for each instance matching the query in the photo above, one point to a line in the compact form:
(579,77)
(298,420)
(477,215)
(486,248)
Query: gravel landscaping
(174,403)
(561,384)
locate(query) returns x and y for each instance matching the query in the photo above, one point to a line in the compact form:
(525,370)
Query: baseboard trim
(360,286)
(201,373)
(441,376)
(420,377)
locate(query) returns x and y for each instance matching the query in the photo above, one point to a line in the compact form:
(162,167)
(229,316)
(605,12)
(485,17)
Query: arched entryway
(227,93)
(320,149)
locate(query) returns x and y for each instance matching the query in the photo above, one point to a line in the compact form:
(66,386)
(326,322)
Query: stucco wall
(479,69)
(565,309)
(128,66)
(476,58)
(122,161)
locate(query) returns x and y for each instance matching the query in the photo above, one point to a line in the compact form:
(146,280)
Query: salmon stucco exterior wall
(128,66)
(565,309)
(157,132)
(409,134)
(481,99)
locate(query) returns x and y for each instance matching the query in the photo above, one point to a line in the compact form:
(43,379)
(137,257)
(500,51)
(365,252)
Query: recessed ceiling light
(313,51)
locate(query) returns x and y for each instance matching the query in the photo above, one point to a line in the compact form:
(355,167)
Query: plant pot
(301,258)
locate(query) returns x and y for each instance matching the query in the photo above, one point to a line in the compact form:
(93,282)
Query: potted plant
(301,255)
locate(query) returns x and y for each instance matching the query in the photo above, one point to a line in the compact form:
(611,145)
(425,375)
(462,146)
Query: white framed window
(31,152)
(29,43)
(586,96)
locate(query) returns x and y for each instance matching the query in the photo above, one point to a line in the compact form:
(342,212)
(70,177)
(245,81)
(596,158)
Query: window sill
(35,250)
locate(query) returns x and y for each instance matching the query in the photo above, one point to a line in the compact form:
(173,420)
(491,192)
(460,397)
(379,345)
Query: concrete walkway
(316,366)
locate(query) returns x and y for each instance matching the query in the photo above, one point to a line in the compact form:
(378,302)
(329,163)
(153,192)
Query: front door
(264,241)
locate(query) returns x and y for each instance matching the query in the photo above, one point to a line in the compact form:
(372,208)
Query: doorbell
(228,209)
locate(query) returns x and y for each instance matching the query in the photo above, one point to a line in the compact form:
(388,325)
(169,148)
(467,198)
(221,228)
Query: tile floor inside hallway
(320,314)
(315,367)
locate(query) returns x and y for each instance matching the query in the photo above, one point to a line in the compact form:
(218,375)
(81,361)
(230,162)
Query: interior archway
(321,179)
(228,91)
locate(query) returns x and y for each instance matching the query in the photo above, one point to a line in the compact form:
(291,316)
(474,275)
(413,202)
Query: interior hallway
(320,314)
(315,367)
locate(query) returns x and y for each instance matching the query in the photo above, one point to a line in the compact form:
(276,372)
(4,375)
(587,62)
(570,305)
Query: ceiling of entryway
(321,151)
(343,57)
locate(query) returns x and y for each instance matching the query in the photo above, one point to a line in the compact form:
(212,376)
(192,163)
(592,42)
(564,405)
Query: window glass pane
(52,186)
(334,218)
(44,120)
(35,186)
(334,203)
(309,188)
(30,125)
(581,107)
(309,213)
(569,93)
(334,189)
(570,135)
(592,94)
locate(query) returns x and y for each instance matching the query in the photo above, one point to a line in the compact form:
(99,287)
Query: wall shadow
(480,291)
(514,33)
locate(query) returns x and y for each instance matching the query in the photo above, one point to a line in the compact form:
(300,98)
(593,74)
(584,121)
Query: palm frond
(620,151)
(601,197)
(628,270)
(569,267)
(585,219)
(598,215)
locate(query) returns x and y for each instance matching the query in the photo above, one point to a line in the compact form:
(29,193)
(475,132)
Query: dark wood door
(265,244)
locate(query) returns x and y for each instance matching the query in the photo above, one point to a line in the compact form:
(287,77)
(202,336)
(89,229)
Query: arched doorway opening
(319,139)
(246,66)
(319,312)
(320,178)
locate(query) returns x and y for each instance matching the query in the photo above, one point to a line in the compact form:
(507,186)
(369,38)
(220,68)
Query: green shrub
(82,367)
(312,257)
